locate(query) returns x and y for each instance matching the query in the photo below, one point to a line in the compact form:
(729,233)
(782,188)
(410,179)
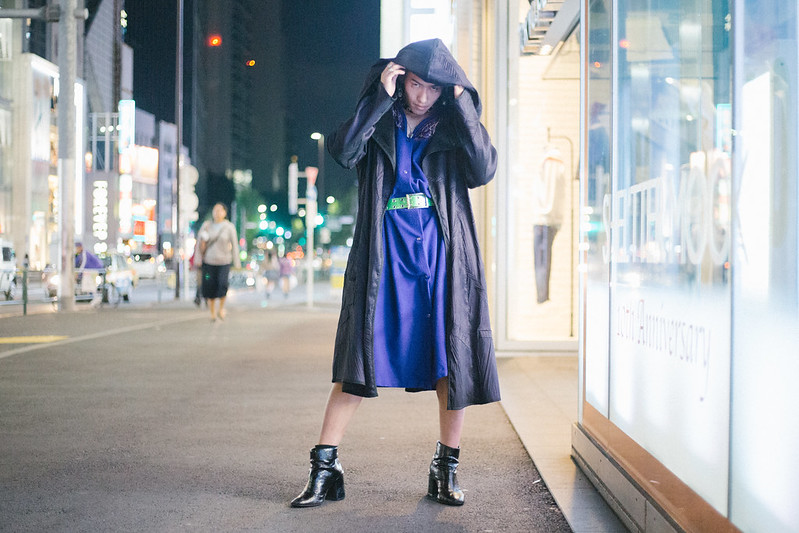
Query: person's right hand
(389,77)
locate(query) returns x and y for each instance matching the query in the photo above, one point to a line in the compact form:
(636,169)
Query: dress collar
(424,130)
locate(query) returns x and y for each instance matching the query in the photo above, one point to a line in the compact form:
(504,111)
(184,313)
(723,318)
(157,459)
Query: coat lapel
(384,137)
(444,139)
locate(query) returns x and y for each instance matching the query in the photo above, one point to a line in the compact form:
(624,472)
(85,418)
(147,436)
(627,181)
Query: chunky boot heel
(442,484)
(325,479)
(336,492)
(432,487)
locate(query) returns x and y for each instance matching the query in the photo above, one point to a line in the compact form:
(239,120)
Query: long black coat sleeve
(347,145)
(479,162)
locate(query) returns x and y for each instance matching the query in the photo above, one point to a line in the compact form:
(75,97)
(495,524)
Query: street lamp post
(311,175)
(67,72)
(320,145)
(179,265)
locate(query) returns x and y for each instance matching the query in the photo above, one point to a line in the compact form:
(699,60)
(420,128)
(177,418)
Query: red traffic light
(215,40)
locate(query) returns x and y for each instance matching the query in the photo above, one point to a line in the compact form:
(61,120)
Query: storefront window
(765,428)
(596,185)
(538,258)
(693,254)
(657,235)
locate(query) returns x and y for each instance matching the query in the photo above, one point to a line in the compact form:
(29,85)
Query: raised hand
(389,77)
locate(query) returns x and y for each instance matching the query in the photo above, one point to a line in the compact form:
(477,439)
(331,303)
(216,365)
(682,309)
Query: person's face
(219,212)
(419,94)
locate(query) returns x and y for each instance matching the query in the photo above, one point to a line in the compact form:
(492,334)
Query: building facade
(691,259)
(225,40)
(29,174)
(118,169)
(644,218)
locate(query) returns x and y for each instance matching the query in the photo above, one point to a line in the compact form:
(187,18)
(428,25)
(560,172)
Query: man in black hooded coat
(459,156)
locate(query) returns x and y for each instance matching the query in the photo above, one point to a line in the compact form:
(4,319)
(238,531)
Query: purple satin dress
(409,339)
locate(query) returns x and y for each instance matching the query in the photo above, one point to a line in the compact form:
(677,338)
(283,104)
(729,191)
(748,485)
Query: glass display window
(765,428)
(537,258)
(595,270)
(668,221)
(656,230)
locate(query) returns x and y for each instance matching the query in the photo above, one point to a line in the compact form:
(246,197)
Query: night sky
(152,35)
(329,46)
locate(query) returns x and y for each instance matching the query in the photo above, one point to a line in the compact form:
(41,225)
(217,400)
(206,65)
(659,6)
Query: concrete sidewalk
(155,419)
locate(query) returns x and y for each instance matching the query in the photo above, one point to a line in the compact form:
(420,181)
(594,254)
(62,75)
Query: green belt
(410,201)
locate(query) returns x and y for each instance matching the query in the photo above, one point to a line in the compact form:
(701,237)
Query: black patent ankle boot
(442,485)
(325,480)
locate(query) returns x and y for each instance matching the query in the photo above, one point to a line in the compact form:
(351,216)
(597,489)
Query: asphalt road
(153,418)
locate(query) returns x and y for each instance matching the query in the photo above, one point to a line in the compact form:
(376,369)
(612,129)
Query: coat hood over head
(432,61)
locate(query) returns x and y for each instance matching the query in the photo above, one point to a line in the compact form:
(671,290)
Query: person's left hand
(457,90)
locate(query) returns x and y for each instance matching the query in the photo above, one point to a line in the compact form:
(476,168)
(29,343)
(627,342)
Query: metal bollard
(105,287)
(25,291)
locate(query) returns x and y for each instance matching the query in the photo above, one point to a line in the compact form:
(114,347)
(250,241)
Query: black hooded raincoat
(459,156)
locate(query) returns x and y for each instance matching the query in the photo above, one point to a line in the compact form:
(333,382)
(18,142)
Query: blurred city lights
(215,40)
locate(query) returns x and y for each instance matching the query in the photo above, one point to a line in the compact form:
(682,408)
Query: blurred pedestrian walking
(195,265)
(286,274)
(85,259)
(271,272)
(219,247)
